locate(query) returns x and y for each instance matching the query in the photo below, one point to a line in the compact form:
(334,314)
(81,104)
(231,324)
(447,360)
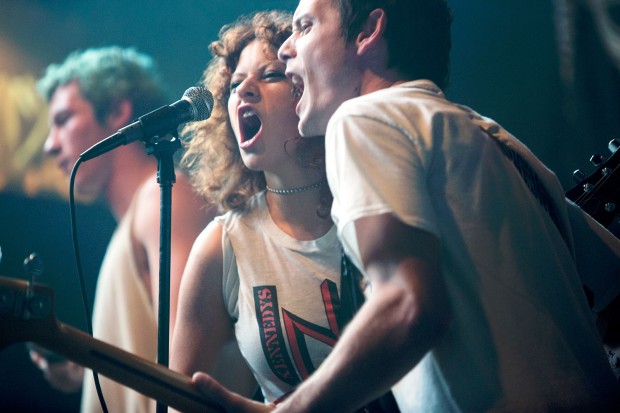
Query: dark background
(507,64)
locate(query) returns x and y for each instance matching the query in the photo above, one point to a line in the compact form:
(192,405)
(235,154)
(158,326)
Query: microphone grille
(201,101)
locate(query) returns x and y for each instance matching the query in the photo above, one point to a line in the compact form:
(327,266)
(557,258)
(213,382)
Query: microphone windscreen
(201,101)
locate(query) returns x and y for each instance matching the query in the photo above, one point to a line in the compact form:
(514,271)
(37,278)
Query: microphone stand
(163,150)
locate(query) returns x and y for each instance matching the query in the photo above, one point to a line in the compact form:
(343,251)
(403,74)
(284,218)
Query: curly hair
(106,76)
(212,154)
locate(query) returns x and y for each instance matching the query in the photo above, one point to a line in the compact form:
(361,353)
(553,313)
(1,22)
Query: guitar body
(599,196)
(26,314)
(599,193)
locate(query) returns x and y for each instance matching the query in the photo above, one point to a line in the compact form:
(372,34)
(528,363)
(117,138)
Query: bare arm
(406,314)
(203,324)
(189,216)
(203,339)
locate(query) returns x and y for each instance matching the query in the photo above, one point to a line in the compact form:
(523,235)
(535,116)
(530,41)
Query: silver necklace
(297,190)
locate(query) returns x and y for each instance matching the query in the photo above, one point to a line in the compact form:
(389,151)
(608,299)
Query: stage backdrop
(536,66)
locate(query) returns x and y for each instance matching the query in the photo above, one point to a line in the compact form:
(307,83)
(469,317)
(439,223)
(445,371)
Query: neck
(131,169)
(296,190)
(380,79)
(297,213)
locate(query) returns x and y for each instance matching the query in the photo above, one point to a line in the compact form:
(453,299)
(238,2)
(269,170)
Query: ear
(372,31)
(121,114)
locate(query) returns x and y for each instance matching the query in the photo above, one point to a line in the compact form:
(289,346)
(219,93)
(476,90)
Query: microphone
(196,104)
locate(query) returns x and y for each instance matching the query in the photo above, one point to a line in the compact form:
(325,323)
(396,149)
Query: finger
(210,387)
(230,401)
(38,360)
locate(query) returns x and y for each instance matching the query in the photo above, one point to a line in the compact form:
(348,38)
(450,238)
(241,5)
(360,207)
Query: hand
(230,401)
(613,355)
(63,375)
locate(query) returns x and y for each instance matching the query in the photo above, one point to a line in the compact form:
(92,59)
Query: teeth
(250,124)
(297,81)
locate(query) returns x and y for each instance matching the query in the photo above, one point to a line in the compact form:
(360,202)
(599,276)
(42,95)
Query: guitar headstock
(26,311)
(26,314)
(599,193)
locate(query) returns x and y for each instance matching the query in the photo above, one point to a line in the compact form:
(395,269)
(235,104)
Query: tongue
(251,125)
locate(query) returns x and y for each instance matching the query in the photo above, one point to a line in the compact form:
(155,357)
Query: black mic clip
(196,104)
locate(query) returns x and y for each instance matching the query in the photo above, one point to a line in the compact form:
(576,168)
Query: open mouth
(249,124)
(298,86)
(298,90)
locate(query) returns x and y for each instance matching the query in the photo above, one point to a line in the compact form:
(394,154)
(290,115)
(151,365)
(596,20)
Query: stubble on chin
(312,125)
(307,132)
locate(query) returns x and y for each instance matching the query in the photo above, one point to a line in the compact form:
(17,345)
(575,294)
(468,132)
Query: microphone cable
(80,273)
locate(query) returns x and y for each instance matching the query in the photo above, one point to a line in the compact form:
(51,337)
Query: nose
(287,50)
(52,143)
(247,89)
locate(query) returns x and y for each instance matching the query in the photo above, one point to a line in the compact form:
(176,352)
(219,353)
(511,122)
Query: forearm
(385,340)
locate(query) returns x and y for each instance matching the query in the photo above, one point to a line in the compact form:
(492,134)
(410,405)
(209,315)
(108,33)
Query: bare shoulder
(207,248)
(203,271)
(189,216)
(188,209)
(183,194)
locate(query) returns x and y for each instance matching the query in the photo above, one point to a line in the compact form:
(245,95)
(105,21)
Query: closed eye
(234,86)
(61,118)
(275,75)
(302,25)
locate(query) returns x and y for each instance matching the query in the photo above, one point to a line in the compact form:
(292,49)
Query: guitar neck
(26,314)
(148,378)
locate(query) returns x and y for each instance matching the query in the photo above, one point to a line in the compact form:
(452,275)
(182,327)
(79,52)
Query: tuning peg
(33,268)
(610,207)
(596,159)
(613,145)
(578,175)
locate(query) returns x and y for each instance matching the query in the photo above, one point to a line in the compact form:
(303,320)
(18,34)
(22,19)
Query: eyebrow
(262,68)
(57,116)
(297,20)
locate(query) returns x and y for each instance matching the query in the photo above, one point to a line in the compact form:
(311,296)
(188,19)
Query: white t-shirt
(522,336)
(283,295)
(124,317)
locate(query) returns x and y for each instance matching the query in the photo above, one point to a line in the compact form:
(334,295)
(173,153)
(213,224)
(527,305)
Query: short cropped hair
(106,76)
(418,34)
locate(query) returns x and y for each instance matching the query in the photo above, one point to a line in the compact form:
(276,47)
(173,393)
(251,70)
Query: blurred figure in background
(91,95)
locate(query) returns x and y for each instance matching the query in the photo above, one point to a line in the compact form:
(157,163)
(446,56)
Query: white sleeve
(374,168)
